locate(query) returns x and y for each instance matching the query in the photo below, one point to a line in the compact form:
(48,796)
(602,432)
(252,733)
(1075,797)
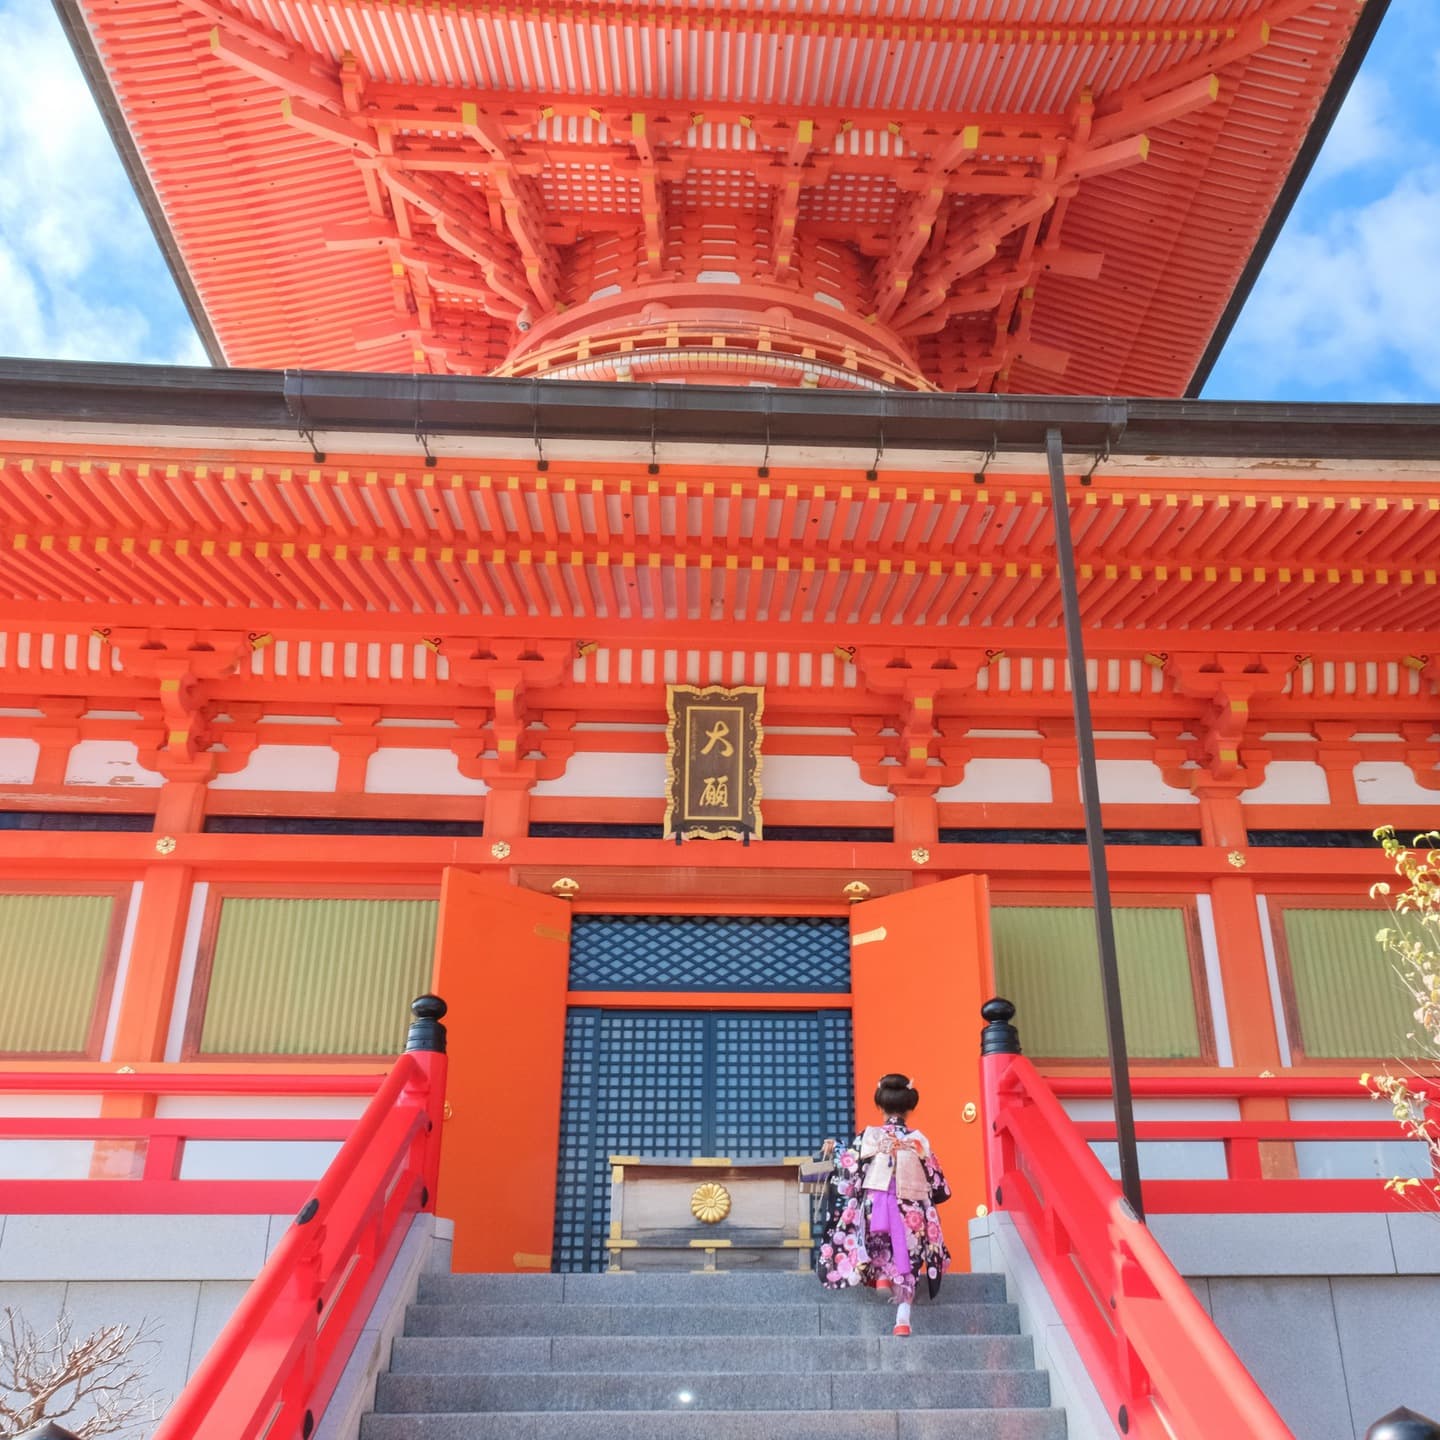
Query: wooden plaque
(713,767)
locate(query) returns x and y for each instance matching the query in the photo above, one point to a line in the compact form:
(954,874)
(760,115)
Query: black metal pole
(1094,830)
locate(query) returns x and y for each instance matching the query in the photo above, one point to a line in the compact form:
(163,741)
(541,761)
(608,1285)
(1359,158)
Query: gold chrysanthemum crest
(710,1203)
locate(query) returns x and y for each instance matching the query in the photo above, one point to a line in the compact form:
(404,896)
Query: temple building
(609,579)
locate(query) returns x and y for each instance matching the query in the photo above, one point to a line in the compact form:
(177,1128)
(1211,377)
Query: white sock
(902,1313)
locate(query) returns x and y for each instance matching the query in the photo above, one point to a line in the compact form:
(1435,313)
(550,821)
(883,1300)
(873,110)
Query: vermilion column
(1254,1039)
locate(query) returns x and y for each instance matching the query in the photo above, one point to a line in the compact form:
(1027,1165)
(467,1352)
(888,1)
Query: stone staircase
(725,1356)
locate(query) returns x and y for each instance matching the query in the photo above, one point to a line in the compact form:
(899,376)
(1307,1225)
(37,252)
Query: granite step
(693,1391)
(669,1288)
(521,1354)
(727,1357)
(737,1425)
(632,1318)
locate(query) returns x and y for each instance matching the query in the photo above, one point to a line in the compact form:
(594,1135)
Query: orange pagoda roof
(1057,196)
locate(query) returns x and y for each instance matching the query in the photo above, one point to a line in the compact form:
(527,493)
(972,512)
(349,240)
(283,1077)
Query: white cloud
(1348,306)
(1365,130)
(80,277)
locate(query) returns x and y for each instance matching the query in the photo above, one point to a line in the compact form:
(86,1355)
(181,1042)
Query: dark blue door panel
(676,1082)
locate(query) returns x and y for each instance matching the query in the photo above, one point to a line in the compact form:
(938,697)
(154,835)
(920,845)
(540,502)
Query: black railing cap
(1404,1424)
(999,1037)
(426,1031)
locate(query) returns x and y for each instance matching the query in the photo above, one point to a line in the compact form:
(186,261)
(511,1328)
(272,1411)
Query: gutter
(217,403)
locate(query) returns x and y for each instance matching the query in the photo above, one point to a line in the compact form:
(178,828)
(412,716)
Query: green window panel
(316,977)
(1046,963)
(1349,1001)
(52,959)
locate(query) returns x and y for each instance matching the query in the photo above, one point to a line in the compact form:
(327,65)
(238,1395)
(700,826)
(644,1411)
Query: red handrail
(260,1081)
(1250,1185)
(158,1144)
(277,1361)
(1161,1367)
(1222,1086)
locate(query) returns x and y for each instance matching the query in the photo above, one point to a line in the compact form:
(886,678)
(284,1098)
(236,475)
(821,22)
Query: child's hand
(827,1150)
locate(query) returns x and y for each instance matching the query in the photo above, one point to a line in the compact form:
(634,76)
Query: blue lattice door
(741,1083)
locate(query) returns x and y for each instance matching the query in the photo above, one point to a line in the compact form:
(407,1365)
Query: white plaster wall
(284,767)
(1272,979)
(261,1107)
(108,762)
(816,777)
(185,979)
(611,775)
(18,759)
(1137,782)
(1390,782)
(418,772)
(259,1159)
(1162,1159)
(1000,781)
(256,1159)
(1291,782)
(1214,982)
(46,1159)
(1355,1159)
(122,971)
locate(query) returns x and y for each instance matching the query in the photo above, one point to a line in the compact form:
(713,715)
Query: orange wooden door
(920,969)
(502,960)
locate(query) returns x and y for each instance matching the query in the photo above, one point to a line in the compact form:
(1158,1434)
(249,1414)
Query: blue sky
(1348,307)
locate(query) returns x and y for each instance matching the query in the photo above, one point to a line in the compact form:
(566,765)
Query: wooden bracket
(1227,684)
(184,665)
(916,680)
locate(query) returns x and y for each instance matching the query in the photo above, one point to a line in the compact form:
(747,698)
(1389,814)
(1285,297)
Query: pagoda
(504,616)
(890,195)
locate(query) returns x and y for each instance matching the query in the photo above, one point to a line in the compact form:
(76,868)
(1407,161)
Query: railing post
(426,1043)
(1403,1424)
(999,1041)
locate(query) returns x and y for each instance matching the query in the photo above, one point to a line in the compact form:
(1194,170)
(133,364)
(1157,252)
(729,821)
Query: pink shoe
(883,1285)
(902,1331)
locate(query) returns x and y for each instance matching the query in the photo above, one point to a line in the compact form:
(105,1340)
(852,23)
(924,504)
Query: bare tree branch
(95,1384)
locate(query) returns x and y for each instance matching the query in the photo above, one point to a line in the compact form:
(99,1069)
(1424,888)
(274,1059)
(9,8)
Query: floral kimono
(887,1183)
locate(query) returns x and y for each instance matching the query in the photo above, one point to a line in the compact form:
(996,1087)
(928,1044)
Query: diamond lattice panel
(715,952)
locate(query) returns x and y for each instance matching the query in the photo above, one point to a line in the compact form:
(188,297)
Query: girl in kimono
(883,1230)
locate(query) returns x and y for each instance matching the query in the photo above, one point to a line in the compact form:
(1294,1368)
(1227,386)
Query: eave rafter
(684,19)
(519,271)
(500,193)
(331,539)
(786,210)
(652,202)
(1094,145)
